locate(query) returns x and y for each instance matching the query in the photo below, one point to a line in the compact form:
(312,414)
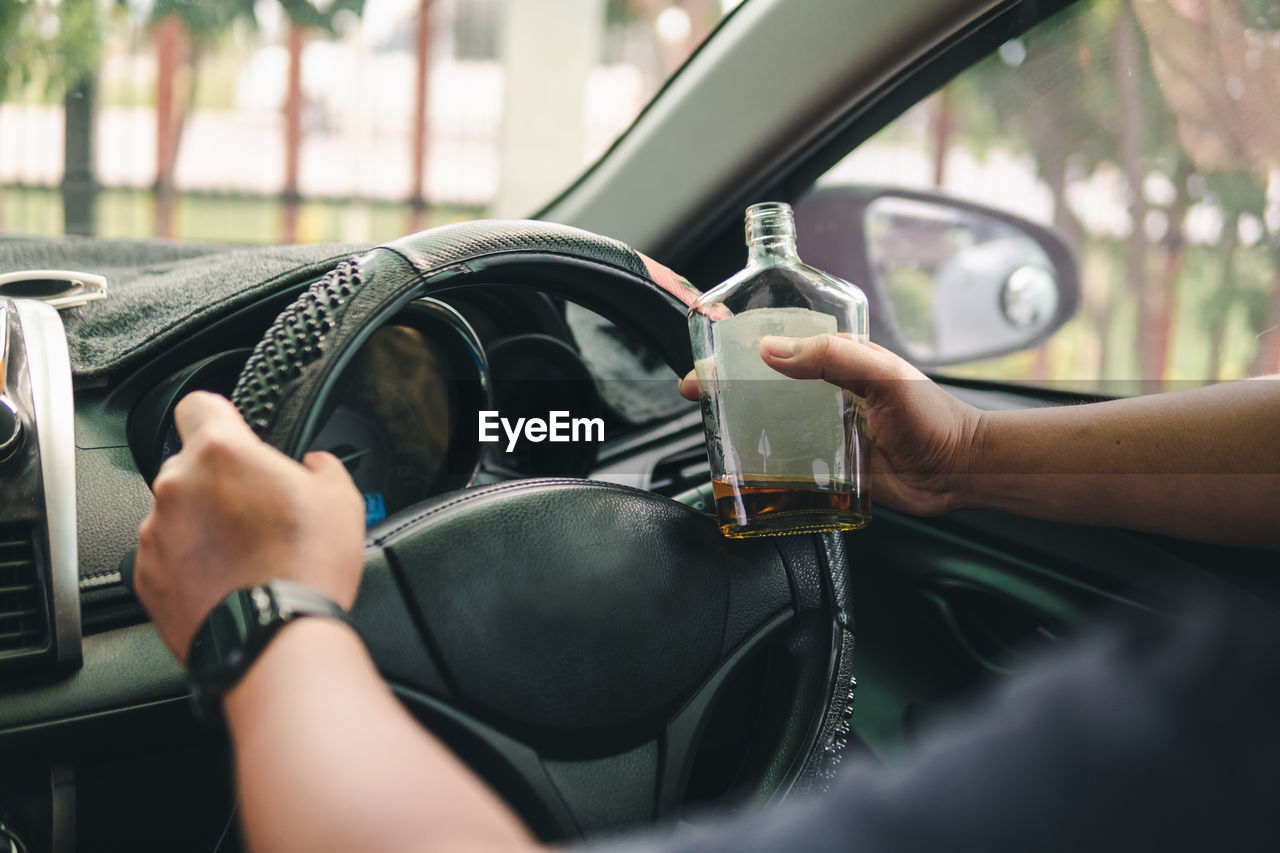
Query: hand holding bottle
(922,440)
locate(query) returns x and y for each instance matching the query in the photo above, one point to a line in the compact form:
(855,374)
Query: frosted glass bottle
(787,455)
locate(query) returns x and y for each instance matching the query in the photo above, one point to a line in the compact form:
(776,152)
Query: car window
(1146,133)
(267,121)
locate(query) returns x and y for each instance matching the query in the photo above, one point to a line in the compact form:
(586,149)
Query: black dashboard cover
(161,290)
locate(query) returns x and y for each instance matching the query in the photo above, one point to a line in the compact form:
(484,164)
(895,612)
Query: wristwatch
(237,630)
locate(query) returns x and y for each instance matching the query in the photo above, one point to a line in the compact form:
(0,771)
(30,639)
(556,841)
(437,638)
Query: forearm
(327,759)
(1198,464)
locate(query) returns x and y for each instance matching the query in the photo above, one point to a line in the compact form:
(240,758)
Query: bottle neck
(771,251)
(771,234)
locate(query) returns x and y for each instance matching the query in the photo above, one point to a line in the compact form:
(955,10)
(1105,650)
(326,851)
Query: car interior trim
(49,368)
(433,314)
(633,459)
(126,669)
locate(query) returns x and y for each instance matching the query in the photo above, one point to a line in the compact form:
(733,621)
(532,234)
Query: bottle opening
(770,221)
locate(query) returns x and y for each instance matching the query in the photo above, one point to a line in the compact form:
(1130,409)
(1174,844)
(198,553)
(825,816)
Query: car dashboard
(89,700)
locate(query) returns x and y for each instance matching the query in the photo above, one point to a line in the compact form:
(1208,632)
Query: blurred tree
(1217,62)
(421,88)
(59,46)
(1174,244)
(1049,107)
(1052,94)
(1088,91)
(53,44)
(1237,194)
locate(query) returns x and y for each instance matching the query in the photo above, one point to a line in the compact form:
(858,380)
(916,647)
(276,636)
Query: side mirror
(948,281)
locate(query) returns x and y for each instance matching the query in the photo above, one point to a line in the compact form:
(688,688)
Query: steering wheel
(575,642)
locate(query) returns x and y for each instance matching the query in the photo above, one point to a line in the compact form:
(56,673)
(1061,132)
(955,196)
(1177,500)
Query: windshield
(263,121)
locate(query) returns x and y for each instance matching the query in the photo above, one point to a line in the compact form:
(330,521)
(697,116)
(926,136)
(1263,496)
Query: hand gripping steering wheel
(583,645)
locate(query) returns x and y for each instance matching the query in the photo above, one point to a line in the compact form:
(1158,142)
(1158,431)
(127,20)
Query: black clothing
(1162,735)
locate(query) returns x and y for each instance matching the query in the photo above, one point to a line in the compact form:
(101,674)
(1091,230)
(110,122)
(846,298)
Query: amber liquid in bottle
(780,507)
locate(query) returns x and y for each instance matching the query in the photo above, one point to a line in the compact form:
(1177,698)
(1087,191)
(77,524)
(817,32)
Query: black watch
(237,630)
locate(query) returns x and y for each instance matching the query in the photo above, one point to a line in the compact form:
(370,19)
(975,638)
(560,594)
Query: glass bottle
(787,455)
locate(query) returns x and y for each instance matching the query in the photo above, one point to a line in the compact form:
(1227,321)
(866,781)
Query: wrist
(999,471)
(298,649)
(968,485)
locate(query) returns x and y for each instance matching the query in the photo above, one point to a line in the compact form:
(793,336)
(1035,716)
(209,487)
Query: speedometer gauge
(396,415)
(389,420)
(361,446)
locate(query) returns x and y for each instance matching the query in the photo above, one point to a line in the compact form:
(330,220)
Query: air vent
(24,624)
(681,471)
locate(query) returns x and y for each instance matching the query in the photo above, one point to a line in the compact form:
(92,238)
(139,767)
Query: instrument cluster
(403,416)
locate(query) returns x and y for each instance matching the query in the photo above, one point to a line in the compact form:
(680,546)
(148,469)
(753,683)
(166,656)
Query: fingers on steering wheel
(202,410)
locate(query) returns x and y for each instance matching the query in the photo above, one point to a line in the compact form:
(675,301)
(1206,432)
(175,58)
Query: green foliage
(52,45)
(1001,102)
(310,14)
(205,20)
(1263,14)
(76,49)
(1054,88)
(57,45)
(16,27)
(1237,193)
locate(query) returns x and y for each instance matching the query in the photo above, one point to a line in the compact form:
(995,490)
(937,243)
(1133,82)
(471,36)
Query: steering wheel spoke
(388,628)
(564,796)
(681,737)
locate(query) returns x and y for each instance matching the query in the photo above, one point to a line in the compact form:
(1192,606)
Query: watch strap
(235,633)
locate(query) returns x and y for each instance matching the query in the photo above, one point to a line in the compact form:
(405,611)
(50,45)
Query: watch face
(218,652)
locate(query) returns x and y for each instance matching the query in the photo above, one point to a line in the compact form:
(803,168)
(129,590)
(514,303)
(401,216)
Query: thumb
(206,411)
(689,386)
(334,476)
(325,464)
(841,361)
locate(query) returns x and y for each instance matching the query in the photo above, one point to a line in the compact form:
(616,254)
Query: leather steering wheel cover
(303,352)
(636,608)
